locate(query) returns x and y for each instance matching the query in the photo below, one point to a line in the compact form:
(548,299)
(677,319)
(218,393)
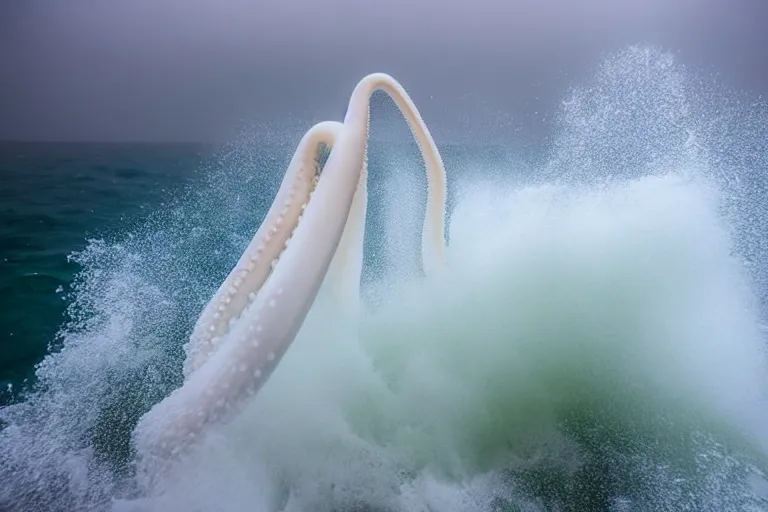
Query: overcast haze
(192,70)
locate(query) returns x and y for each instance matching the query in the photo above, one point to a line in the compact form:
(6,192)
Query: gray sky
(193,69)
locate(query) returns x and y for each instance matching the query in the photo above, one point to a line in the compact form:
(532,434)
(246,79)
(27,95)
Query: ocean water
(596,342)
(55,198)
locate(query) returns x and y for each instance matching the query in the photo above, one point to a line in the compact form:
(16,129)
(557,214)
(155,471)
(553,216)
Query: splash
(596,343)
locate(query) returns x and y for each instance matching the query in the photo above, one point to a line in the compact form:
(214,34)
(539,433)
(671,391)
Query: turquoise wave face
(594,344)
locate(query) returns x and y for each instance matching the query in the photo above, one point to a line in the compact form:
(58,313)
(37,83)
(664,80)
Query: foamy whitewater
(595,343)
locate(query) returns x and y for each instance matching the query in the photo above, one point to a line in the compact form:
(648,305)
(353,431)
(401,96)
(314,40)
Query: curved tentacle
(346,268)
(247,277)
(260,336)
(433,232)
(256,343)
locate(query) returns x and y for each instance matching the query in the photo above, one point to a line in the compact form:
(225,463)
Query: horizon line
(108,141)
(191,142)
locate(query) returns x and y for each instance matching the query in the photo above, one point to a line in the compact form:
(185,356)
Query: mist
(196,70)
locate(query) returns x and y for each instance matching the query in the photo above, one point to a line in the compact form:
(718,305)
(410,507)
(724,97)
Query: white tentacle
(247,277)
(247,327)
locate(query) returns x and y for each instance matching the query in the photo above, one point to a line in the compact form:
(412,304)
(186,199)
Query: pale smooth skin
(245,330)
(241,285)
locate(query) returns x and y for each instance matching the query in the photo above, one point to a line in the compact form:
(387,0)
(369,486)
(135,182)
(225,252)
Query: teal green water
(53,199)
